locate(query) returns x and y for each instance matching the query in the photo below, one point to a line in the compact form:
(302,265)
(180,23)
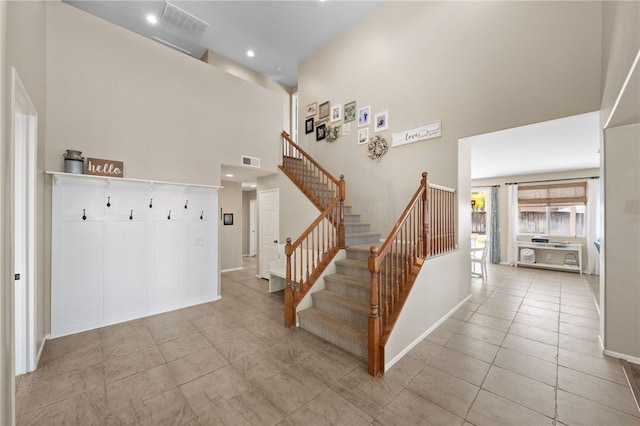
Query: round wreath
(378,147)
(333,133)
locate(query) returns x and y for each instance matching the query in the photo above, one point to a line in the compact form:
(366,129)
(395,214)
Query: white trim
(58,175)
(622,90)
(21,105)
(618,355)
(231,270)
(406,350)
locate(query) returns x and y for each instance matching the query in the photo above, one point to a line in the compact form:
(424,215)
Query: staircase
(340,312)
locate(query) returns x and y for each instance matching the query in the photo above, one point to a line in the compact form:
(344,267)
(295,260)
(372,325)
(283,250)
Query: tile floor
(522,350)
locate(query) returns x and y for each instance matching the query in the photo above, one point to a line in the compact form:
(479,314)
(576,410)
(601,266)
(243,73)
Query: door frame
(24,129)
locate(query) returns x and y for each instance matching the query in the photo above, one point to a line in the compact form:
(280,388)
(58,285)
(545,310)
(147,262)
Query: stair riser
(355,272)
(357,293)
(356,228)
(340,311)
(359,350)
(355,240)
(351,218)
(355,254)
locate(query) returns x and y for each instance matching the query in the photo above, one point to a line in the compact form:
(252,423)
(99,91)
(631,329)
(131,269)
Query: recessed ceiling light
(229,175)
(251,53)
(152,19)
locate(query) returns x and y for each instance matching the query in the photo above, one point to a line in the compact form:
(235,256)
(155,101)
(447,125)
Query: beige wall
(503,210)
(114,94)
(231,235)
(622,241)
(251,76)
(477,66)
(619,288)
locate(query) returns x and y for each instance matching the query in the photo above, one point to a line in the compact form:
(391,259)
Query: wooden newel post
(289,308)
(342,193)
(425,215)
(375,357)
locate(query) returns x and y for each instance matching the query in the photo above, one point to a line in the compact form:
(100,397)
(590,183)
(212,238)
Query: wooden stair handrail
(286,136)
(326,235)
(425,228)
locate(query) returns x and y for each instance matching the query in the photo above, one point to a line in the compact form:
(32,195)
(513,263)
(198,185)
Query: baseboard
(618,355)
(231,270)
(41,350)
(406,350)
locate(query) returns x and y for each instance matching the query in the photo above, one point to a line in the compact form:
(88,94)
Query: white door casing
(269,220)
(24,124)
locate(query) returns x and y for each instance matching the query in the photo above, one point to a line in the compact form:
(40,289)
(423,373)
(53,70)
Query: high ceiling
(284,33)
(280,33)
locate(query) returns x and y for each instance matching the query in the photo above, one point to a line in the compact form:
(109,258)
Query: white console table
(545,250)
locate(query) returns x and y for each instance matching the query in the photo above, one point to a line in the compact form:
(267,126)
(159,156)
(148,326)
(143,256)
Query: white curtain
(593,226)
(512,224)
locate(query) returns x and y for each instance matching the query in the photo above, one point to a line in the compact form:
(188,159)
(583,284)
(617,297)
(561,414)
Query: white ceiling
(565,144)
(281,33)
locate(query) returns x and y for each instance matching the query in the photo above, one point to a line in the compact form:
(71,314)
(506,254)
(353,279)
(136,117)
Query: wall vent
(182,19)
(171,45)
(250,161)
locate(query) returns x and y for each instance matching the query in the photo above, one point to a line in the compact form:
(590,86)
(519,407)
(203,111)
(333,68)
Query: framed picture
(363,136)
(227,218)
(321,132)
(308,125)
(323,110)
(336,112)
(311,109)
(346,129)
(364,116)
(381,121)
(350,111)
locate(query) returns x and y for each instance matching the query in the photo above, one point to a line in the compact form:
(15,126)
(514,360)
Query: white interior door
(253,228)
(269,228)
(24,121)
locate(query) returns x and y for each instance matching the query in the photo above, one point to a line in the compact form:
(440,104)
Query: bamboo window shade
(560,193)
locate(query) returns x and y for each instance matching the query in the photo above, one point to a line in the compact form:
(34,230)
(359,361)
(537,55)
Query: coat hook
(84,214)
(201,214)
(169,217)
(151,203)
(131,215)
(108,201)
(186,203)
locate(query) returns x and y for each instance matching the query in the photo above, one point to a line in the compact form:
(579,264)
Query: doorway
(253,228)
(24,124)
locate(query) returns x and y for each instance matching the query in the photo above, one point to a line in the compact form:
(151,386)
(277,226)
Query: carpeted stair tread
(352,263)
(341,333)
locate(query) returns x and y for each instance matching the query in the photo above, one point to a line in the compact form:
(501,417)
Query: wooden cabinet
(124,249)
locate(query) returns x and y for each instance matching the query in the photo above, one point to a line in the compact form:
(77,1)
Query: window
(557,210)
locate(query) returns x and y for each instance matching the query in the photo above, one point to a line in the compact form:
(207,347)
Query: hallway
(522,350)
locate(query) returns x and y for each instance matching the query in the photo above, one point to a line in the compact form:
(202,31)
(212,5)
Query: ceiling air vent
(250,161)
(173,46)
(182,19)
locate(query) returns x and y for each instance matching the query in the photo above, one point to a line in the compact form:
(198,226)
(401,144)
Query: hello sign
(110,168)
